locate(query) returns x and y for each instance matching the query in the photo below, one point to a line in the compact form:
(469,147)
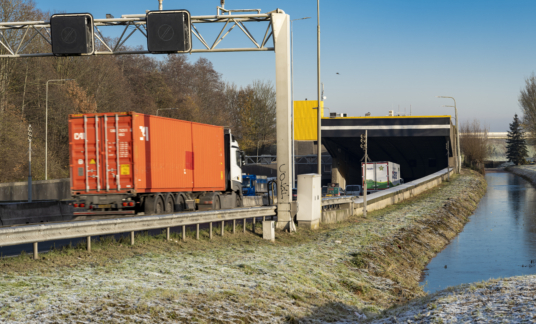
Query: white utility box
(309,200)
(268,230)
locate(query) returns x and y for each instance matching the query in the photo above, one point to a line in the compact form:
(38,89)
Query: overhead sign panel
(168,31)
(72,34)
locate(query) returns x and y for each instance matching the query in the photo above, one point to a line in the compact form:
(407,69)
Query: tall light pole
(46,126)
(319,111)
(292,95)
(459,168)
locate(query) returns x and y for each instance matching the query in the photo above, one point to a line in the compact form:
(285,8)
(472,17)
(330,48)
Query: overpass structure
(417,143)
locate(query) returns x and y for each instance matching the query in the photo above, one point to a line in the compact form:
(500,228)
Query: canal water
(499,241)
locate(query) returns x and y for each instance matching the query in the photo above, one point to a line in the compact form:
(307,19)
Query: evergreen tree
(516,147)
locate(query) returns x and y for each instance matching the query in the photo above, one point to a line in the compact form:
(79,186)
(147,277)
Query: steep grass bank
(334,274)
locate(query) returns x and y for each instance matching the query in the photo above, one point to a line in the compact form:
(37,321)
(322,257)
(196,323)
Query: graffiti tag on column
(284,184)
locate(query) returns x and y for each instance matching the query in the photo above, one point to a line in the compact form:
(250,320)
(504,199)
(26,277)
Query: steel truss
(132,24)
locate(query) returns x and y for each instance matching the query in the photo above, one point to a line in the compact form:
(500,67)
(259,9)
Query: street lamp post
(319,111)
(292,94)
(46,125)
(459,168)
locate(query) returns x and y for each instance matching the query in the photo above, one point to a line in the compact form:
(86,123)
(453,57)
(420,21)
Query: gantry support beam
(22,34)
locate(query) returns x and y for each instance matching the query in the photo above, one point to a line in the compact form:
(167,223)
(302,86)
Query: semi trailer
(127,163)
(380,175)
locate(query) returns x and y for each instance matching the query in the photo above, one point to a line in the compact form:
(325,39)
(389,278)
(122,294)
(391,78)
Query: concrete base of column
(315,224)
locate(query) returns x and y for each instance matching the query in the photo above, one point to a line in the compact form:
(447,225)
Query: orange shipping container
(131,153)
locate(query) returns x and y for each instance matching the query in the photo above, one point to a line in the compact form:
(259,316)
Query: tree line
(193,89)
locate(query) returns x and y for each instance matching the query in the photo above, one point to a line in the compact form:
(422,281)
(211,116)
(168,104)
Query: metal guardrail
(49,232)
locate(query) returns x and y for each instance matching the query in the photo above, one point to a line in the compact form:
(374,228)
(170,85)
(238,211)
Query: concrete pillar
(281,34)
(339,170)
(36,251)
(88,243)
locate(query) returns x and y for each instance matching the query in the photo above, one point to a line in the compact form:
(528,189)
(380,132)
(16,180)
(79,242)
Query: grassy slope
(362,265)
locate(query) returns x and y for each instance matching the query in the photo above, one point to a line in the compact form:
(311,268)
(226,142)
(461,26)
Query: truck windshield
(246,183)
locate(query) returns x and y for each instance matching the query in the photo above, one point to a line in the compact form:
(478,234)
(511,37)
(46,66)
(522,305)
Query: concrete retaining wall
(19,213)
(387,197)
(41,190)
(395,195)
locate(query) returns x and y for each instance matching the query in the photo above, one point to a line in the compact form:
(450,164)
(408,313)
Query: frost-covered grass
(511,300)
(338,273)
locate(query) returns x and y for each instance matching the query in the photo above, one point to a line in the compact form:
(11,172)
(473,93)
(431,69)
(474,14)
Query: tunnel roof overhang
(412,126)
(417,143)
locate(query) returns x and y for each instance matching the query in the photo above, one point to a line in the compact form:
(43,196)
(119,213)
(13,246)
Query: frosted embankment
(338,273)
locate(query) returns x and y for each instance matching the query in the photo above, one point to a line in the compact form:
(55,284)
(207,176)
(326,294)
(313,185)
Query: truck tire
(154,205)
(180,204)
(169,204)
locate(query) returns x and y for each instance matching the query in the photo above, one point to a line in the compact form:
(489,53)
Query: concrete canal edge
(402,256)
(527,172)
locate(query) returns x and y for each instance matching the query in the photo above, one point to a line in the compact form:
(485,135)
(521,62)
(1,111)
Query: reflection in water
(499,240)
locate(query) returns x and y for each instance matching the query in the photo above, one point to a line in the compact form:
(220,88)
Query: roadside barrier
(50,232)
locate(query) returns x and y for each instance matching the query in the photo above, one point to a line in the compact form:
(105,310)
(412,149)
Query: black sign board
(72,34)
(168,31)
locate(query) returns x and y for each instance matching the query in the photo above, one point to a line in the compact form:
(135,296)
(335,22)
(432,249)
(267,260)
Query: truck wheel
(154,205)
(169,204)
(180,204)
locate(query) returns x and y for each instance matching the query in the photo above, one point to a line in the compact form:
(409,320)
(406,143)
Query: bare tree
(474,144)
(527,101)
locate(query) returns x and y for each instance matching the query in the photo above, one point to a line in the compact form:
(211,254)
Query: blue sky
(388,53)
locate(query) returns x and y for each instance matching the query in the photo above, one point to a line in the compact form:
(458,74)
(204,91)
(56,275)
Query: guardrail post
(222,227)
(234,226)
(89,244)
(210,230)
(168,230)
(197,232)
(36,251)
(131,238)
(244,227)
(184,233)
(253,226)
